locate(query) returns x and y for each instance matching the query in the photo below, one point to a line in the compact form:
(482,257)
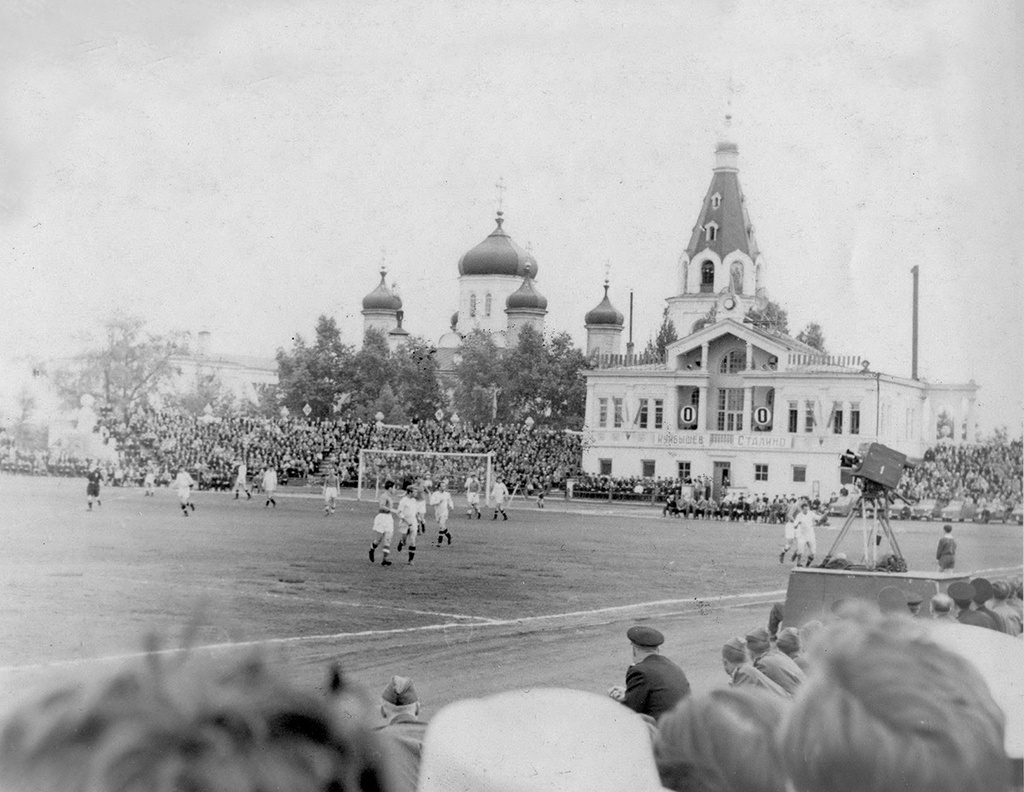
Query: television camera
(876,470)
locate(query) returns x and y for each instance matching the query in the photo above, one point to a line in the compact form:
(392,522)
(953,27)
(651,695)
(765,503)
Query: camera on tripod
(875,463)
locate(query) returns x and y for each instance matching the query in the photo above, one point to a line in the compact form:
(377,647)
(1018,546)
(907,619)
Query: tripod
(878,496)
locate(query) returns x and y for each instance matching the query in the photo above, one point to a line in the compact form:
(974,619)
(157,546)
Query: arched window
(472,305)
(487,304)
(707,277)
(710,232)
(733,362)
(716,201)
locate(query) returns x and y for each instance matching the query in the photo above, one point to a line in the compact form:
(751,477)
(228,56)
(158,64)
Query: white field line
(299,639)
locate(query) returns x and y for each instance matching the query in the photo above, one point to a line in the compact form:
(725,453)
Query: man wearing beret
(654,684)
(962,595)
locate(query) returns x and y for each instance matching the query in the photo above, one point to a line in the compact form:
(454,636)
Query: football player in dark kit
(654,684)
(92,489)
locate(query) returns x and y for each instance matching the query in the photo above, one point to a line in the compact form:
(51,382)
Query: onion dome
(498,255)
(604,313)
(527,296)
(382,298)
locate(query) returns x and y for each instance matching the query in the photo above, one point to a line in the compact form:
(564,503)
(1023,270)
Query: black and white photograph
(511,395)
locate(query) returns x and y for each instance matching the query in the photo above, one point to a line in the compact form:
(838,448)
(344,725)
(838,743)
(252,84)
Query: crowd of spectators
(211,449)
(530,459)
(985,472)
(868,698)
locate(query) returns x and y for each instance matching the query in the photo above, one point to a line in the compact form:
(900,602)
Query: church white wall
(499,287)
(382,321)
(604,340)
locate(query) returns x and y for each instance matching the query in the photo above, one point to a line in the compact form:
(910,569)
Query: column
(748,405)
(750,356)
(704,356)
(703,414)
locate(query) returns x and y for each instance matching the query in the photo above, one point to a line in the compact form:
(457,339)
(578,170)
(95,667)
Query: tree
(813,336)
(206,389)
(313,374)
(529,373)
(480,378)
(415,379)
(666,335)
(372,370)
(567,387)
(771,317)
(124,370)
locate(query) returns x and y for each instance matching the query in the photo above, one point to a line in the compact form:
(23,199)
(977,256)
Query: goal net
(377,466)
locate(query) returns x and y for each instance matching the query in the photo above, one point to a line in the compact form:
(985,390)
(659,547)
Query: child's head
(947,528)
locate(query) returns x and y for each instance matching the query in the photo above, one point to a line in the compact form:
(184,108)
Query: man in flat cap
(654,684)
(403,732)
(962,595)
(914,603)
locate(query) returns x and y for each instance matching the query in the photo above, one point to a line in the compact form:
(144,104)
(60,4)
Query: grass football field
(542,599)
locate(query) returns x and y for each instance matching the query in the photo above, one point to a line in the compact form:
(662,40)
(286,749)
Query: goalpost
(377,465)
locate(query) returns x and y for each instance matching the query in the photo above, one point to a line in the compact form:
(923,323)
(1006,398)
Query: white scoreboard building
(748,408)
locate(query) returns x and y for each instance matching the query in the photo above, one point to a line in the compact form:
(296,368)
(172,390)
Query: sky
(244,167)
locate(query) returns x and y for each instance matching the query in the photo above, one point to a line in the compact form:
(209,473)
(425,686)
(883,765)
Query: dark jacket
(654,686)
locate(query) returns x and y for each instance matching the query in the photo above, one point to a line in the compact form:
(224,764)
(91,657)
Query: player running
(473,496)
(408,521)
(184,483)
(149,482)
(442,501)
(792,512)
(331,484)
(806,545)
(384,523)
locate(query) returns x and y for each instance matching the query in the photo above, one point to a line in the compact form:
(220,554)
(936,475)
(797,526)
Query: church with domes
(498,294)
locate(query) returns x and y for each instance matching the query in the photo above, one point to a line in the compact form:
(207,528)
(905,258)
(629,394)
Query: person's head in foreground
(539,739)
(722,741)
(887,708)
(188,723)
(399,698)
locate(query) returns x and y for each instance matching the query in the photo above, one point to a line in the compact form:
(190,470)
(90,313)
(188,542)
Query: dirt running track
(541,600)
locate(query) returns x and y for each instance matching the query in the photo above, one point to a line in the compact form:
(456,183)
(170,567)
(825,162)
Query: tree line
(538,379)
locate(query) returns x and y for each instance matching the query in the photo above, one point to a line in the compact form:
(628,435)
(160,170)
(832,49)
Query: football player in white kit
(443,504)
(184,483)
(384,523)
(408,522)
(270,486)
(242,482)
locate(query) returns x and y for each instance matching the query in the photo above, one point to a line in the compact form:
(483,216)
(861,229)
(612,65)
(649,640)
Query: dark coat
(655,685)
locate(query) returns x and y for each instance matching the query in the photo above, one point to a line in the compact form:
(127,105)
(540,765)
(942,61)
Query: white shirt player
(407,512)
(499,492)
(269,480)
(442,501)
(183,483)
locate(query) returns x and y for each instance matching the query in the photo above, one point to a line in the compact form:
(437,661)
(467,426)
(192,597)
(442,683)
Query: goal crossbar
(420,463)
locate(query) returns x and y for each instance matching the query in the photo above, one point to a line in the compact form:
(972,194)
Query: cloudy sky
(245,166)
